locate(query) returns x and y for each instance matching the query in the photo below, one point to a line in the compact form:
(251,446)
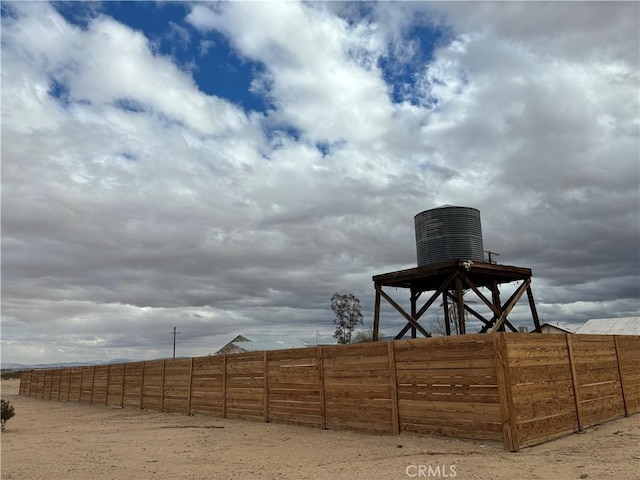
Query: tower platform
(451,280)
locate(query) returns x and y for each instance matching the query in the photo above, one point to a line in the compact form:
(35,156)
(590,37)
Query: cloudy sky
(226,167)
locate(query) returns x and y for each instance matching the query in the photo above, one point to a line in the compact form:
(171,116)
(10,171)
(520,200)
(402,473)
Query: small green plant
(7,413)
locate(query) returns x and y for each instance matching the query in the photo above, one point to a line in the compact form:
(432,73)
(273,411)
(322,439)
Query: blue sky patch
(59,91)
(402,73)
(208,58)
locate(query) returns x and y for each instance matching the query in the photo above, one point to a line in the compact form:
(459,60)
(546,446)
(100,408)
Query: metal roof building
(261,343)
(612,326)
(560,328)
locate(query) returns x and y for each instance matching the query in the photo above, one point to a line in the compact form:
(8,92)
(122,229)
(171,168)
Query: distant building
(261,343)
(559,328)
(612,326)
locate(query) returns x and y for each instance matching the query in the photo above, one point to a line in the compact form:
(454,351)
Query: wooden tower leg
(445,305)
(376,316)
(460,306)
(534,312)
(414,298)
(495,298)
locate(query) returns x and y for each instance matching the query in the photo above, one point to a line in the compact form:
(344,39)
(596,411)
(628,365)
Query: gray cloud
(128,210)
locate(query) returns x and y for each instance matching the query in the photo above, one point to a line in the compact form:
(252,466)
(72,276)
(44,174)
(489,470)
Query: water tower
(452,268)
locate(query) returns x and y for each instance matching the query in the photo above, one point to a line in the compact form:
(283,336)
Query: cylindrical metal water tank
(448,233)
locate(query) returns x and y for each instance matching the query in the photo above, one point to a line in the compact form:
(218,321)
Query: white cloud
(136,201)
(321,74)
(109,63)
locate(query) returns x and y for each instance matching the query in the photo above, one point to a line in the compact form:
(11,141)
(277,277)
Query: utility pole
(174,333)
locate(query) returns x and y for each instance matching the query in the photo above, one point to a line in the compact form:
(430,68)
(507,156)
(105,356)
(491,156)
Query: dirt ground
(72,441)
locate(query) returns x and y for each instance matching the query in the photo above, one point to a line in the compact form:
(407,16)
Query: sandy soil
(59,440)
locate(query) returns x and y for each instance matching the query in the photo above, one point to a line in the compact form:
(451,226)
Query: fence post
(323,414)
(106,398)
(124,377)
(224,386)
(93,383)
(81,384)
(69,386)
(393,383)
(84,369)
(190,387)
(59,384)
(50,384)
(503,376)
(144,367)
(265,383)
(164,367)
(574,380)
(621,373)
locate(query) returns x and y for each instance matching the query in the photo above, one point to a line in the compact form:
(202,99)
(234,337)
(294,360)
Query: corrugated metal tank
(448,233)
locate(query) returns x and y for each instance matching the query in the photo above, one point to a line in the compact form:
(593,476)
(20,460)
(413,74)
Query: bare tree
(347,310)
(438,327)
(363,336)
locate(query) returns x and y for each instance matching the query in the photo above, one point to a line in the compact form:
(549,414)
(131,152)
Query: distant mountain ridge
(22,366)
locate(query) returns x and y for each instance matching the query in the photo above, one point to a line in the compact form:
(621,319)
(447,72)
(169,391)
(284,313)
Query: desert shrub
(7,412)
(9,374)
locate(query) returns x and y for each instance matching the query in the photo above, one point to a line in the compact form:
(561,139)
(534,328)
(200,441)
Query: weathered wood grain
(521,389)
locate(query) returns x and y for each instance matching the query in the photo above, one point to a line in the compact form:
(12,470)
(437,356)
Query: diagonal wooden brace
(468,281)
(411,321)
(506,309)
(436,294)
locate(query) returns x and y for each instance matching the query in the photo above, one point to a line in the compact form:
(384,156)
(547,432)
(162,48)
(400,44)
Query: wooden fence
(519,389)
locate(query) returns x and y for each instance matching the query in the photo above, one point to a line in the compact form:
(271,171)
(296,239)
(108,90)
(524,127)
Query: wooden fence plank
(520,389)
